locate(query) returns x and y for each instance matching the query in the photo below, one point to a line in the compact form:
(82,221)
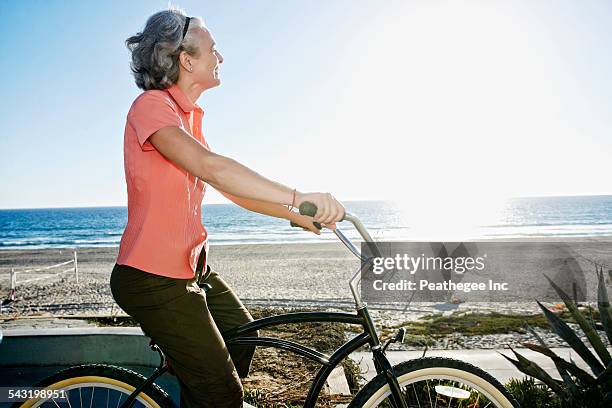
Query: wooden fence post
(76,267)
(13,279)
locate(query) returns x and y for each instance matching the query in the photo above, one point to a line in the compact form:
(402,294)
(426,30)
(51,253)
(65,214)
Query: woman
(162,254)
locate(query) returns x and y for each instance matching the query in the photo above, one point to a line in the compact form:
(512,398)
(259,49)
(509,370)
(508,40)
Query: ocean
(579,216)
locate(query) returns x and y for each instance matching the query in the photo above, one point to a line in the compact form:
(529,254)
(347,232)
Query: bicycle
(423,382)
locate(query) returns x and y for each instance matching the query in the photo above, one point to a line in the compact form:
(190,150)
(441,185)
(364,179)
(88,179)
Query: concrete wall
(29,355)
(82,345)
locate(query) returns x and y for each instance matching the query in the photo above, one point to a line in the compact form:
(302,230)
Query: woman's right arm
(232,177)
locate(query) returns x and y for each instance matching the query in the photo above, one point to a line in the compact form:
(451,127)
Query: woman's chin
(212,83)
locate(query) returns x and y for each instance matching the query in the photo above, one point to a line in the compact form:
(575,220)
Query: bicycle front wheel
(98,385)
(437,382)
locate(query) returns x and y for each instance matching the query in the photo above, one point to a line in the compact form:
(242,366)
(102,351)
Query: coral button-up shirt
(164,233)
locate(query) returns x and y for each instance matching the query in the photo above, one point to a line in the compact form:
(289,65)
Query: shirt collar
(182,100)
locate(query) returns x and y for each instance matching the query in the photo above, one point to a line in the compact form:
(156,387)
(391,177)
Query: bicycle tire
(104,376)
(434,368)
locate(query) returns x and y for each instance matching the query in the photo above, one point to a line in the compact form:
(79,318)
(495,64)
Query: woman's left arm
(273,210)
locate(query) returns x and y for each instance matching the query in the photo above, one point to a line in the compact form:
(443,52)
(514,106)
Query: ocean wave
(228,224)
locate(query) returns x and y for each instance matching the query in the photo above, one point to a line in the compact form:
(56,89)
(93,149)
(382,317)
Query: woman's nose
(220,57)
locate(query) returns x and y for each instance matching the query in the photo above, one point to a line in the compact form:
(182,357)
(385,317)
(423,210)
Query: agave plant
(529,393)
(577,387)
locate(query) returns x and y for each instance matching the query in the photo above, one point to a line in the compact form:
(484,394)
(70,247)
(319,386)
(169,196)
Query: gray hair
(155,51)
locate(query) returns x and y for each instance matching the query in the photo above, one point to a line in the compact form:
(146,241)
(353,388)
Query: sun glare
(449,110)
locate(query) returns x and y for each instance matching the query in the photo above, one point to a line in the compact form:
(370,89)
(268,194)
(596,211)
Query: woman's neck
(192,90)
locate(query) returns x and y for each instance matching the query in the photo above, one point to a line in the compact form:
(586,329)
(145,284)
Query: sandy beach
(295,275)
(263,275)
(259,271)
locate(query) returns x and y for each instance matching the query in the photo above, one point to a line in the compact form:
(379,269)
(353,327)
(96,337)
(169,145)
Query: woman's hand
(329,210)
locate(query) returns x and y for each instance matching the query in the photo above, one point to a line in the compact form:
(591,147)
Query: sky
(421,102)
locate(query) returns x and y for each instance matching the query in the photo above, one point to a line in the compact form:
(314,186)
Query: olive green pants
(186,323)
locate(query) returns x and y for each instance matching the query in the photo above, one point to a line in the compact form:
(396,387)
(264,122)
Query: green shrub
(528,393)
(577,387)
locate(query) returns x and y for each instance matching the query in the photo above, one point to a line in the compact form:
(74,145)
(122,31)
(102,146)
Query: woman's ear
(183,59)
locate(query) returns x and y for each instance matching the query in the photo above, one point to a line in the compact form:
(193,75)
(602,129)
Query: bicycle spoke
(416,395)
(68,399)
(439,393)
(478,400)
(77,393)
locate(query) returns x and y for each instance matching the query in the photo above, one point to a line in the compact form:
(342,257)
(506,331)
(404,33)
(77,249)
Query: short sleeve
(151,112)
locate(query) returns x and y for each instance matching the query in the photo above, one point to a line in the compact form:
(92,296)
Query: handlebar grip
(308,208)
(316,224)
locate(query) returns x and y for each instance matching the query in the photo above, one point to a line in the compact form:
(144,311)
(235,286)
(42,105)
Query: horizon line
(346,201)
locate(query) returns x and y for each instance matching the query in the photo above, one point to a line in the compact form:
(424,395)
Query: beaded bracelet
(292,201)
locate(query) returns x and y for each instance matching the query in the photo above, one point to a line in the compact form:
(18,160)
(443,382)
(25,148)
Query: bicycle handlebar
(308,208)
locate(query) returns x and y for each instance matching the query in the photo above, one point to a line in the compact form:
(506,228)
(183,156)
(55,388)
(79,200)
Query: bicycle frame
(238,336)
(328,363)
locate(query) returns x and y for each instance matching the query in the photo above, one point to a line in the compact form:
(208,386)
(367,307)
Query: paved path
(488,360)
